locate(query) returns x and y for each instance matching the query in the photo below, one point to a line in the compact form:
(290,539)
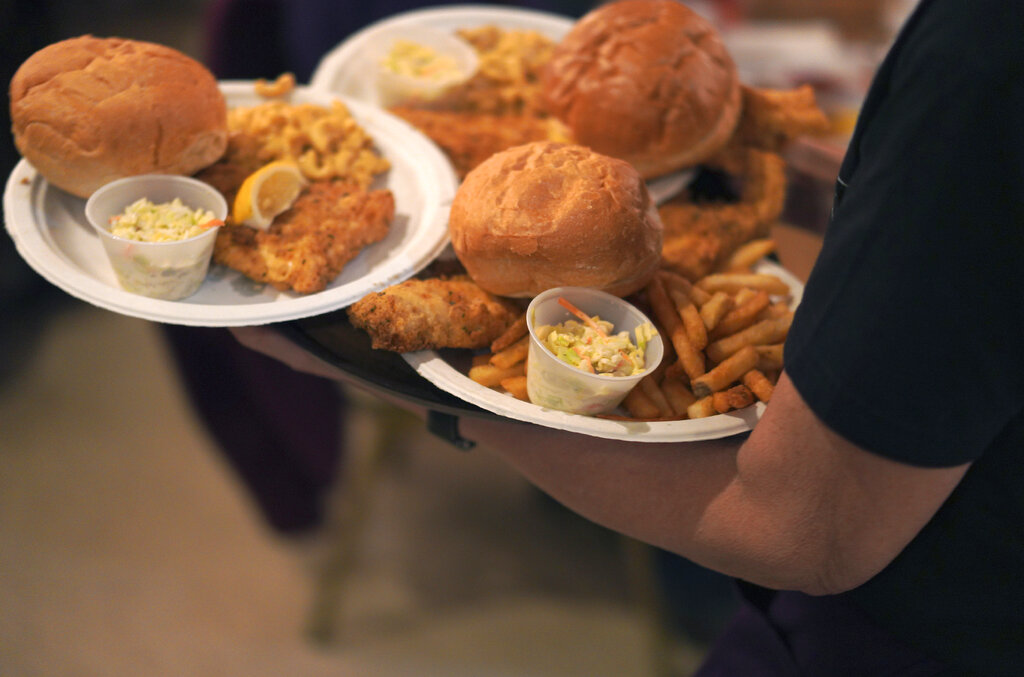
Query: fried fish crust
(469,138)
(431,314)
(307,246)
(773,117)
(700,236)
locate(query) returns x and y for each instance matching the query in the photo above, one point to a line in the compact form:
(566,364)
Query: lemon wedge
(267,192)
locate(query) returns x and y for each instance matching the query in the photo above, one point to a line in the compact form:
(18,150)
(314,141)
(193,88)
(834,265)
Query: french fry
(665,311)
(743,295)
(744,258)
(639,405)
(759,385)
(677,281)
(482,358)
(678,395)
(490,376)
(702,408)
(514,354)
(743,315)
(515,331)
(720,402)
(725,374)
(516,386)
(691,318)
(737,397)
(733,282)
(675,371)
(770,357)
(761,333)
(774,310)
(712,312)
(654,393)
(668,357)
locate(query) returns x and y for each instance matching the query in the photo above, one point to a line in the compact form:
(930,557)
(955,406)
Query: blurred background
(132,543)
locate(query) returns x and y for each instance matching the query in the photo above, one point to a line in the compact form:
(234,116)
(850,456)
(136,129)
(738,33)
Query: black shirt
(909,340)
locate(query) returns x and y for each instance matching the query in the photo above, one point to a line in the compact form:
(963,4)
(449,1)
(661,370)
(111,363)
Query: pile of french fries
(505,366)
(723,337)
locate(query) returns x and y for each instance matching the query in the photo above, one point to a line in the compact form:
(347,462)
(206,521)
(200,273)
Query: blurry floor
(127,548)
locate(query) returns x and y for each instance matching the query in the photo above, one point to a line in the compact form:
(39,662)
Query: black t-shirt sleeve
(909,340)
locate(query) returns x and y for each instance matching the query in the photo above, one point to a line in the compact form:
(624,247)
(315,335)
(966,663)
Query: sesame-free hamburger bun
(546,215)
(86,111)
(648,81)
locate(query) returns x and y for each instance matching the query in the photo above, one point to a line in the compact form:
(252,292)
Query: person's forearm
(656,493)
(793,506)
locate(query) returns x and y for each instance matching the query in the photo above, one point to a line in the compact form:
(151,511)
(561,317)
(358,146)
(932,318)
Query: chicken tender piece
(431,314)
(307,247)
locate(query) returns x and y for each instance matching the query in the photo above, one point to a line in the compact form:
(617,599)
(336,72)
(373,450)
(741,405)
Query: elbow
(832,573)
(822,586)
(814,567)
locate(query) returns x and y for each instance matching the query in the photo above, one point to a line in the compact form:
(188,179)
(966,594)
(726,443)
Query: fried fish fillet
(469,138)
(431,314)
(772,118)
(308,245)
(700,236)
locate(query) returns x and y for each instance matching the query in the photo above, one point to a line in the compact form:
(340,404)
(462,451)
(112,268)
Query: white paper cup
(394,89)
(554,384)
(161,270)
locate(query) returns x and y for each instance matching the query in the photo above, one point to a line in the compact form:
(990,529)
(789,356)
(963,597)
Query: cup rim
(560,291)
(220,212)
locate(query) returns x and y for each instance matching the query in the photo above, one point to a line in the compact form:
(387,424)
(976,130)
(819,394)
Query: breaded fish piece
(772,118)
(307,247)
(431,314)
(469,138)
(700,236)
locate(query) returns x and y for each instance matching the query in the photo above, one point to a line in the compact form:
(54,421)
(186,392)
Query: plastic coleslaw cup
(555,384)
(161,270)
(397,88)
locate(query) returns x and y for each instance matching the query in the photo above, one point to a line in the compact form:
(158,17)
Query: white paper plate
(447,370)
(347,70)
(51,233)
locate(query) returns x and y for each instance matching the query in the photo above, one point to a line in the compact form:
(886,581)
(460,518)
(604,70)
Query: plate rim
(325,75)
(433,172)
(431,365)
(322,77)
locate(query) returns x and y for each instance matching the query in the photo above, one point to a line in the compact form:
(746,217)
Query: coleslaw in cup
(554,383)
(419,64)
(171,269)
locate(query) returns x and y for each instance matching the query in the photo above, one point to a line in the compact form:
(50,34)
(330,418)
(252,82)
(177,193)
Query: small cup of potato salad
(588,349)
(158,232)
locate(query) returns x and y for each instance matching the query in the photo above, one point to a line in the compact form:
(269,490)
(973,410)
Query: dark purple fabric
(789,634)
(279,429)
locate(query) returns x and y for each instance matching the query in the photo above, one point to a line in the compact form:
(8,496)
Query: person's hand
(277,346)
(273,344)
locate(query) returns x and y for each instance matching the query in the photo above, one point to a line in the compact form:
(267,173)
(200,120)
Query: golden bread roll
(544,215)
(647,81)
(86,111)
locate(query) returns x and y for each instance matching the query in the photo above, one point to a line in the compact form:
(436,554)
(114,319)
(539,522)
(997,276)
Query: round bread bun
(546,215)
(87,111)
(648,81)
